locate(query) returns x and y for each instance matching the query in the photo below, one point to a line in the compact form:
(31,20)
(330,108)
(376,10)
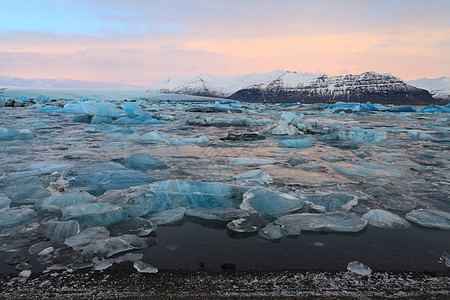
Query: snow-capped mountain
(286,86)
(39,83)
(439,88)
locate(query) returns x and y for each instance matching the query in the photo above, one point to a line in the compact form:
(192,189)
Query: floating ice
(270,202)
(93,214)
(143,119)
(435,109)
(358,268)
(12,217)
(335,221)
(5,202)
(25,190)
(143,267)
(128,257)
(93,108)
(430,218)
(60,230)
(445,260)
(101,120)
(385,219)
(282,128)
(8,134)
(297,143)
(102,264)
(86,237)
(368,170)
(294,161)
(255,177)
(319,125)
(249,161)
(144,162)
(216,213)
(137,226)
(57,202)
(251,223)
(110,246)
(25,274)
(201,141)
(132,108)
(168,216)
(356,135)
(272,232)
(331,202)
(420,135)
(170,194)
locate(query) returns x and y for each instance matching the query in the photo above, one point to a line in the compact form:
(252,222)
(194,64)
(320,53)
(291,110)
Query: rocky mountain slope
(439,88)
(285,86)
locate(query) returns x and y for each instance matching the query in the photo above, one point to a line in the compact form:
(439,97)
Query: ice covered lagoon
(188,185)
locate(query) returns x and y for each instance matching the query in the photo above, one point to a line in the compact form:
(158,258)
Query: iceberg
(255,177)
(136,226)
(270,202)
(272,232)
(93,214)
(216,213)
(251,223)
(57,202)
(9,134)
(87,236)
(201,141)
(132,108)
(249,161)
(336,221)
(384,219)
(60,230)
(297,143)
(143,267)
(331,202)
(359,268)
(430,218)
(144,162)
(93,108)
(433,109)
(170,194)
(12,217)
(355,135)
(168,216)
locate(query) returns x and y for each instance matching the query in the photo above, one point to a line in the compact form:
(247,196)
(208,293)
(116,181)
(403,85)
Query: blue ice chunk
(107,128)
(249,161)
(270,202)
(170,194)
(432,108)
(132,108)
(86,237)
(430,218)
(8,134)
(101,119)
(168,216)
(201,141)
(23,98)
(43,99)
(368,106)
(93,108)
(143,119)
(50,109)
(356,135)
(5,202)
(12,217)
(93,214)
(272,232)
(216,213)
(98,182)
(60,230)
(367,170)
(331,202)
(144,162)
(406,108)
(336,221)
(57,202)
(26,190)
(297,143)
(385,219)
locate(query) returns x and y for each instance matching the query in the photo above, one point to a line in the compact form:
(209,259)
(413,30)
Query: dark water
(193,246)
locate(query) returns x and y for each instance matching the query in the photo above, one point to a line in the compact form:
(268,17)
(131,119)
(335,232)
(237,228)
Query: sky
(146,41)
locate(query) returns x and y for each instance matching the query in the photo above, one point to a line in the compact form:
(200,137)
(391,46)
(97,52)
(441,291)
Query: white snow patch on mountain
(438,87)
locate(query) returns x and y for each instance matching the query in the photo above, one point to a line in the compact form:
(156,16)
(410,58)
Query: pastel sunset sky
(147,41)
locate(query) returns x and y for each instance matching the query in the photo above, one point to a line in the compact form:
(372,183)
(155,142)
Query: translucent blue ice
(144,162)
(9,134)
(385,219)
(60,230)
(270,202)
(57,202)
(430,218)
(94,214)
(297,143)
(12,217)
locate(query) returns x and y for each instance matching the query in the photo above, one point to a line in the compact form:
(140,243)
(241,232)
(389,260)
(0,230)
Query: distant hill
(287,86)
(439,88)
(39,83)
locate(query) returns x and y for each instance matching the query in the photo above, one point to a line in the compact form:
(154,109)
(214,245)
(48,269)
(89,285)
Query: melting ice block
(216,213)
(26,190)
(251,223)
(367,170)
(249,161)
(8,134)
(201,141)
(86,237)
(138,226)
(255,177)
(331,202)
(335,221)
(270,202)
(57,202)
(272,232)
(168,216)
(359,268)
(60,230)
(93,214)
(382,218)
(110,246)
(170,194)
(12,217)
(93,108)
(356,135)
(297,143)
(143,267)
(430,218)
(144,162)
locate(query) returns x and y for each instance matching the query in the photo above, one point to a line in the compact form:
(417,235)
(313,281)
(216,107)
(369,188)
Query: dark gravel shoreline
(170,284)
